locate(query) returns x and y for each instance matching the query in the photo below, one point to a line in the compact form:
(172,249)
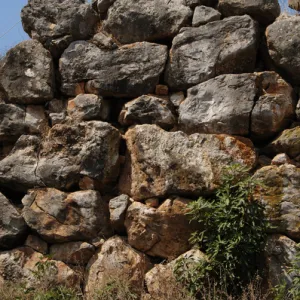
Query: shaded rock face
(37,244)
(18,266)
(56,23)
(204,15)
(194,3)
(263,11)
(152,231)
(116,259)
(161,163)
(284,45)
(12,225)
(260,104)
(129,71)
(27,75)
(281,195)
(148,110)
(198,54)
(102,5)
(144,20)
(59,217)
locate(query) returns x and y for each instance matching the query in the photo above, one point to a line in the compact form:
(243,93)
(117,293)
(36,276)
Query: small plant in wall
(233,235)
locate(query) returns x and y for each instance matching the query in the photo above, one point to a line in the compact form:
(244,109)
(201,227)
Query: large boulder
(148,109)
(27,74)
(284,46)
(161,163)
(260,104)
(12,225)
(144,20)
(162,232)
(56,23)
(60,217)
(280,193)
(220,47)
(130,71)
(116,261)
(263,11)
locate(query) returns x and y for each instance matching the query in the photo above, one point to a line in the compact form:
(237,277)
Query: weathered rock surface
(198,54)
(162,232)
(57,23)
(161,163)
(116,259)
(287,142)
(118,208)
(12,225)
(74,253)
(27,74)
(37,244)
(260,104)
(36,119)
(104,41)
(102,5)
(263,11)
(280,192)
(143,20)
(86,107)
(59,217)
(281,159)
(294,4)
(204,15)
(18,266)
(131,70)
(148,109)
(284,46)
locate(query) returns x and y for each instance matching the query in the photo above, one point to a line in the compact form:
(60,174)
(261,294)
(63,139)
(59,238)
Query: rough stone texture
(116,259)
(37,244)
(27,74)
(294,4)
(287,142)
(148,109)
(56,23)
(36,119)
(18,169)
(12,225)
(284,46)
(177,98)
(263,11)
(18,265)
(161,163)
(280,193)
(59,217)
(144,20)
(74,253)
(87,107)
(281,159)
(160,278)
(204,15)
(162,232)
(198,54)
(280,253)
(102,5)
(130,71)
(104,41)
(117,208)
(260,104)
(88,149)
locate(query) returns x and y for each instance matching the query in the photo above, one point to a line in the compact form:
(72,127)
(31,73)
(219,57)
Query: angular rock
(74,253)
(142,20)
(118,208)
(161,163)
(104,41)
(60,217)
(19,265)
(220,47)
(204,15)
(57,118)
(70,152)
(148,110)
(37,244)
(162,90)
(260,104)
(280,192)
(12,226)
(36,119)
(27,74)
(115,260)
(152,231)
(263,11)
(57,23)
(130,71)
(86,107)
(177,98)
(287,142)
(284,46)
(281,159)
